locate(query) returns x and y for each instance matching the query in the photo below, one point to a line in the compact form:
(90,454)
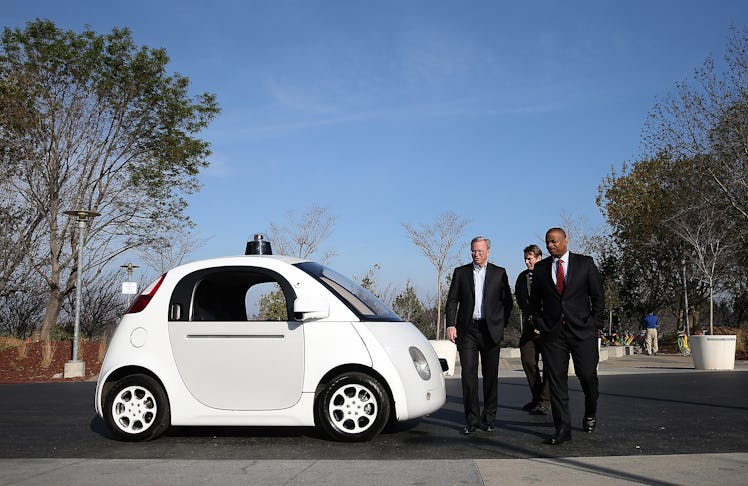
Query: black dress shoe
(559,438)
(540,410)
(470,429)
(529,406)
(589,423)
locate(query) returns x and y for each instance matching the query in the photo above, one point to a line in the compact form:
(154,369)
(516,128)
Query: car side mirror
(310,308)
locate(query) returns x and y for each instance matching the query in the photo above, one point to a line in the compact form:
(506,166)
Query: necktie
(560,277)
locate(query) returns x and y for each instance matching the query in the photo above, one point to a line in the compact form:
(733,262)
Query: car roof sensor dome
(258,246)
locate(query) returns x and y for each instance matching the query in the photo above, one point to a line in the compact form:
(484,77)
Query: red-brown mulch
(18,365)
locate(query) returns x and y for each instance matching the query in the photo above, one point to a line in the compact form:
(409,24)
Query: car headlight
(419,361)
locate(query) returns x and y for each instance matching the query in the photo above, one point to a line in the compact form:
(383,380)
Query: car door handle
(235,336)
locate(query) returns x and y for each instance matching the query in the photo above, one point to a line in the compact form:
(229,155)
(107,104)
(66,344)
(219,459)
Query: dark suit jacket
(522,294)
(497,300)
(582,303)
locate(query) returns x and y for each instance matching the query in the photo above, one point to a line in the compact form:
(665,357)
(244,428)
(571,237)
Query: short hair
(481,238)
(534,249)
(560,230)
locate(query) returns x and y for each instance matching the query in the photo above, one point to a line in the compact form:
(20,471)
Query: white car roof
(260,260)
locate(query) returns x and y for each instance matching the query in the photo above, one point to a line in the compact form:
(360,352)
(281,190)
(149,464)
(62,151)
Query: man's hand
(452,333)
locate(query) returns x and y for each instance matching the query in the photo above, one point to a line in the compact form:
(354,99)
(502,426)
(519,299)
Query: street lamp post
(685,295)
(76,367)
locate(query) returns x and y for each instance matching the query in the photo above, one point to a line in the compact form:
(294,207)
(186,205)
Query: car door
(233,342)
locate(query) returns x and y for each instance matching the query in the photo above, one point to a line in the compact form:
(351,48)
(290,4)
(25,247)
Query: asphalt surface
(659,422)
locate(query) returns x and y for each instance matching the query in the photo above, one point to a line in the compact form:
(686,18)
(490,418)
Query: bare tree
(169,251)
(706,120)
(20,235)
(580,234)
(303,237)
(436,242)
(22,307)
(707,231)
(101,307)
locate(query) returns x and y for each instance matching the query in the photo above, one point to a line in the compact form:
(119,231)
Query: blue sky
(397,111)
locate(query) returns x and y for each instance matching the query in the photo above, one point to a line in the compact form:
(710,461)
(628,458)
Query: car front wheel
(354,407)
(137,409)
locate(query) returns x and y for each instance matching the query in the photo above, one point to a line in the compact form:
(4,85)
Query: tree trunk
(695,318)
(50,320)
(438,304)
(711,309)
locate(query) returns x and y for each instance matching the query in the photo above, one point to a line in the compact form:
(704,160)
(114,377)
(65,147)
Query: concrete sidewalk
(623,365)
(580,471)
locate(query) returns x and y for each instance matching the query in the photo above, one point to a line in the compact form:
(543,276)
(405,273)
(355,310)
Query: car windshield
(365,304)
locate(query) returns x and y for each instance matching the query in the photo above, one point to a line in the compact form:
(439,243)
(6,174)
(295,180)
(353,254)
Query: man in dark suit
(529,342)
(478,305)
(568,302)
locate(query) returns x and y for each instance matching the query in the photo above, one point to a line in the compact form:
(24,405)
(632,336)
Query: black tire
(354,407)
(137,409)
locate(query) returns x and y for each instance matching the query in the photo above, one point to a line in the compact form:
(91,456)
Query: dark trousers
(530,350)
(585,356)
(478,343)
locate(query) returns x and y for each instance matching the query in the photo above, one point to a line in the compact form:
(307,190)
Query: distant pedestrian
(650,323)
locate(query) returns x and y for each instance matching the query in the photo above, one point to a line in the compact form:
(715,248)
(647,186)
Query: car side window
(266,302)
(231,294)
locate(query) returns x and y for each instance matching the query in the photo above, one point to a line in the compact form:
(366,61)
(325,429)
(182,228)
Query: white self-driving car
(259,340)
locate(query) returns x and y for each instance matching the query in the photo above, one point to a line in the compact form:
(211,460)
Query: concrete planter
(713,352)
(448,350)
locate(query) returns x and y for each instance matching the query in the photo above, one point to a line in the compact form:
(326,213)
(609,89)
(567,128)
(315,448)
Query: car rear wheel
(354,407)
(137,409)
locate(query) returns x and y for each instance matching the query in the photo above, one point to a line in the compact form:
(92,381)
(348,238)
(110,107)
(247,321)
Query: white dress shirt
(479,278)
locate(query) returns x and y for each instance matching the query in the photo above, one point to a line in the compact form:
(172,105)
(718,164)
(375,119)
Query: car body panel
(223,364)
(389,344)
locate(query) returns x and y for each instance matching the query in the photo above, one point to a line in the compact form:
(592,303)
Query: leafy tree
(272,306)
(436,241)
(409,307)
(702,127)
(369,282)
(642,265)
(91,121)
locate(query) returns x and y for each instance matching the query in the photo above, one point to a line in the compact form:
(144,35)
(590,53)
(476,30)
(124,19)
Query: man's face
(531,259)
(556,243)
(479,250)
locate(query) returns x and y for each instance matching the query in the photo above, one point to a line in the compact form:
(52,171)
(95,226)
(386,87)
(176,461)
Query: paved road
(656,420)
